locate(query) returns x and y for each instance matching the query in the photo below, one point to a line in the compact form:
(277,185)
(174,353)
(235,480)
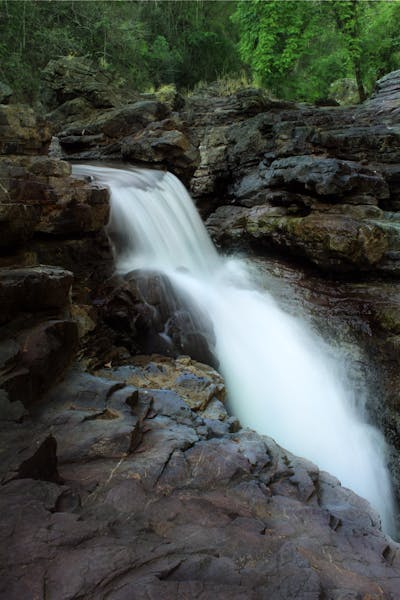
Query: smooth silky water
(279,379)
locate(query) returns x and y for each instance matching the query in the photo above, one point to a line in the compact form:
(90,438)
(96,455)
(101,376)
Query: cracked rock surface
(119,491)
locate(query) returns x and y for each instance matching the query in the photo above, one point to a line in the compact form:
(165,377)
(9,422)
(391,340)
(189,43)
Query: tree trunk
(361,91)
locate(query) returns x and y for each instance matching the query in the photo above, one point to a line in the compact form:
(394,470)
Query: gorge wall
(124,476)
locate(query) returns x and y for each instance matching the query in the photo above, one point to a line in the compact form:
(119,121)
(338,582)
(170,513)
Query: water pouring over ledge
(279,380)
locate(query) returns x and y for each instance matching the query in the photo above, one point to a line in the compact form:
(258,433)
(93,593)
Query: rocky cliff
(123,476)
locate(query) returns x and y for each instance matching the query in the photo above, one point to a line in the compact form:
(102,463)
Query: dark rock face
(33,289)
(313,182)
(135,494)
(36,332)
(326,177)
(148,315)
(46,216)
(43,187)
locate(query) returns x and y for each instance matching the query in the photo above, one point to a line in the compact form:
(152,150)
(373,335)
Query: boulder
(53,202)
(149,316)
(5,93)
(325,177)
(164,144)
(71,77)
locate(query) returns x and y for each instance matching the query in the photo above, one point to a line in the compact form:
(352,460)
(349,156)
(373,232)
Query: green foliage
(147,43)
(295,48)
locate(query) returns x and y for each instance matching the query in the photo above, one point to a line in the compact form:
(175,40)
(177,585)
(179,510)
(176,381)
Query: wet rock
(331,241)
(151,317)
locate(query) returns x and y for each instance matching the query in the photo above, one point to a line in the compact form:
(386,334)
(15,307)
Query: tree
(348,16)
(146,43)
(297,49)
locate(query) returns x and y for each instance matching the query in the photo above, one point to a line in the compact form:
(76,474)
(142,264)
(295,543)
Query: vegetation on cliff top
(296,49)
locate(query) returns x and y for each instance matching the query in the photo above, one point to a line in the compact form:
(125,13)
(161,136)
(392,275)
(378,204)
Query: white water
(279,380)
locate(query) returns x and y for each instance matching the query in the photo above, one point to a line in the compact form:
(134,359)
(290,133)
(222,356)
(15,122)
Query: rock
(344,91)
(33,289)
(35,332)
(54,203)
(71,77)
(52,341)
(325,177)
(333,242)
(384,100)
(81,314)
(198,385)
(21,132)
(107,127)
(17,224)
(5,93)
(210,516)
(90,257)
(10,411)
(36,459)
(162,143)
(150,317)
(69,112)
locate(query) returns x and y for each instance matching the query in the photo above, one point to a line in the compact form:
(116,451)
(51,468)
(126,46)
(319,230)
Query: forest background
(294,49)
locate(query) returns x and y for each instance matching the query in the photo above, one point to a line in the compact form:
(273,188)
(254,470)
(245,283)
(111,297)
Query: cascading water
(279,380)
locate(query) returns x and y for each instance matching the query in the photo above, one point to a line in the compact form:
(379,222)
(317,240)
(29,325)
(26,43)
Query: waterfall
(279,379)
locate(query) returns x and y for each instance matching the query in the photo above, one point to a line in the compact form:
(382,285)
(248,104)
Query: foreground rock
(135,495)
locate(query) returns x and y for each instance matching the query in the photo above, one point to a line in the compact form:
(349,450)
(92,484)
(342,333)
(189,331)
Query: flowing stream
(279,379)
